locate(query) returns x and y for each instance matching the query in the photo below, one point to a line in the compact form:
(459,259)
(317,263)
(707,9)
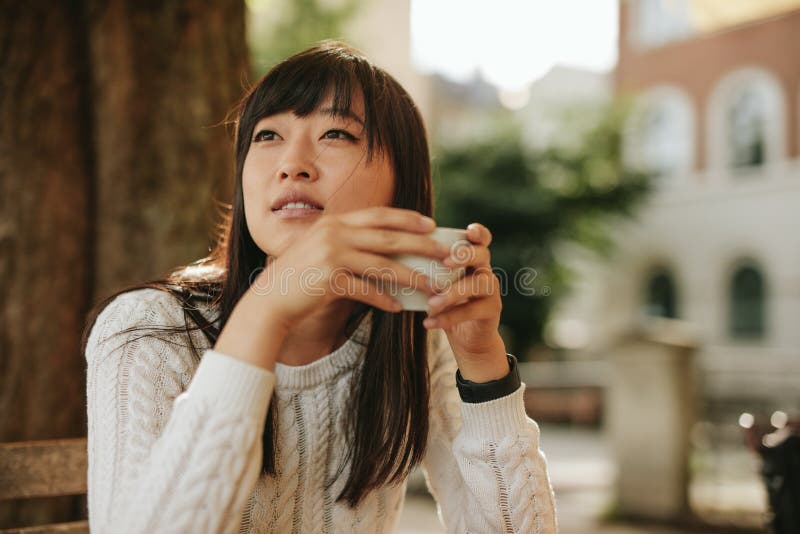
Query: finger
(479,284)
(386,273)
(466,255)
(385,241)
(478,233)
(484,308)
(368,292)
(387,217)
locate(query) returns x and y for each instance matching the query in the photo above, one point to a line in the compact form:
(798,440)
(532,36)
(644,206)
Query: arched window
(660,300)
(746,122)
(657,141)
(659,137)
(746,128)
(747,303)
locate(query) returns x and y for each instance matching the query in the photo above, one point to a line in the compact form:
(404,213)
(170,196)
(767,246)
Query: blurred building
(716,114)
(716,109)
(382,30)
(552,110)
(462,108)
(562,104)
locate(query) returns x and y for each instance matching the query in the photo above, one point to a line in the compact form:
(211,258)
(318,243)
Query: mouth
(295,210)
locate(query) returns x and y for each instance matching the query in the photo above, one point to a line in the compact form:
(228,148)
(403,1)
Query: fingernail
(427,222)
(429,322)
(441,248)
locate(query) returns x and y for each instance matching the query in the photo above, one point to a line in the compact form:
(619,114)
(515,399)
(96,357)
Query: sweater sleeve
(483,464)
(164,457)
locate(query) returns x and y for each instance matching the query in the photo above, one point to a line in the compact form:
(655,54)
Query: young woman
(273,386)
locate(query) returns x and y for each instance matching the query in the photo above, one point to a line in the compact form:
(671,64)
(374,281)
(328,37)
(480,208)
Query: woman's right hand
(345,256)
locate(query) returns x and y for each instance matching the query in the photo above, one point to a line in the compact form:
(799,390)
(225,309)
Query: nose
(298,162)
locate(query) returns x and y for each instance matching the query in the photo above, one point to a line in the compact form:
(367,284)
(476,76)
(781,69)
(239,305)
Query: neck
(320,333)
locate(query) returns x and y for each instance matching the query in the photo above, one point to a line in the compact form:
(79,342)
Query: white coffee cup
(441,275)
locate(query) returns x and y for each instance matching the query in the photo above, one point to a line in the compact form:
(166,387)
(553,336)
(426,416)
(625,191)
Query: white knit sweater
(175,444)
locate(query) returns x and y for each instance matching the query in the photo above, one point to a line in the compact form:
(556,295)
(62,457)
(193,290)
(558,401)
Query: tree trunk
(112,149)
(45,172)
(166,74)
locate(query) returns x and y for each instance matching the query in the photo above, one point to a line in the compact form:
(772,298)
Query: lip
(295,196)
(297,213)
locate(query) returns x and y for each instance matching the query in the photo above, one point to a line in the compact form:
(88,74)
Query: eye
(339,134)
(265,135)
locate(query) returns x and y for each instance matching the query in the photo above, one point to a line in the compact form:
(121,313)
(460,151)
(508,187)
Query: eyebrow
(343,113)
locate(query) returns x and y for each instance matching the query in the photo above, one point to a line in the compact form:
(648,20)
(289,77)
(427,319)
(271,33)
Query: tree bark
(112,150)
(165,76)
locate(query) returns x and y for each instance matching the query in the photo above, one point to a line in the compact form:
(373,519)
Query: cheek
(252,196)
(252,186)
(363,189)
(248,176)
(380,184)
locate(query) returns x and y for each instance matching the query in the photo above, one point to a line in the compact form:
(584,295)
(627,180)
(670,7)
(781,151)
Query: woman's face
(321,156)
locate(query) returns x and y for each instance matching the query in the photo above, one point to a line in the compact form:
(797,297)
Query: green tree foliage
(532,201)
(279,28)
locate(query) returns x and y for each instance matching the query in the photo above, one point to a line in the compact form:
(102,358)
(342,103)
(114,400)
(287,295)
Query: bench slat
(50,468)
(75,527)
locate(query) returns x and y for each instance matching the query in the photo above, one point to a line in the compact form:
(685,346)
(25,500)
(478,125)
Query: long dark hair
(388,413)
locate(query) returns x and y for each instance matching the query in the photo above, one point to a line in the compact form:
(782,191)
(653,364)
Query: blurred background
(636,161)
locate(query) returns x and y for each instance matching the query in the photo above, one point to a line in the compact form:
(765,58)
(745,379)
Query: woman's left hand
(468,310)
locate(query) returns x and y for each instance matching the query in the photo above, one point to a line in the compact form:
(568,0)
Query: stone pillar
(650,412)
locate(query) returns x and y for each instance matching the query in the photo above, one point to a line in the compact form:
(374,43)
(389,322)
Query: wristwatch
(474,392)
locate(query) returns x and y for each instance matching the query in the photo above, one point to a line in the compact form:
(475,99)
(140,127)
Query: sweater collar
(298,377)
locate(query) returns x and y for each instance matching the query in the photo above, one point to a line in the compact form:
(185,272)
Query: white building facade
(716,118)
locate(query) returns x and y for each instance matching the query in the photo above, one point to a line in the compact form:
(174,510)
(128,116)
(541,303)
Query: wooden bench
(51,468)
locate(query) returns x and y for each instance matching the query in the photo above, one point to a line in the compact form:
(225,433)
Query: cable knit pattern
(473,458)
(285,482)
(320,421)
(175,443)
(164,457)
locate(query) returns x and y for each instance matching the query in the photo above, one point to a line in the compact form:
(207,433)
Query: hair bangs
(304,82)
